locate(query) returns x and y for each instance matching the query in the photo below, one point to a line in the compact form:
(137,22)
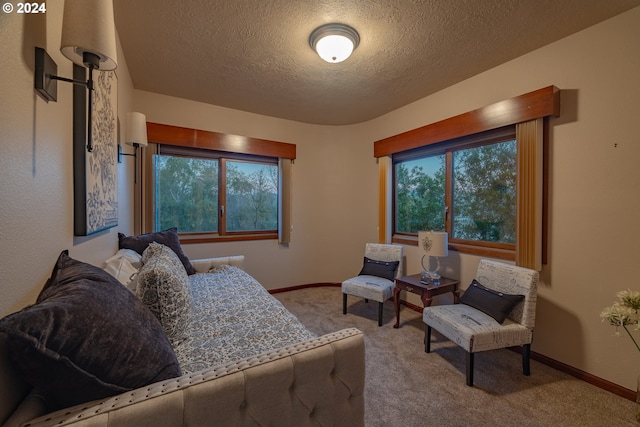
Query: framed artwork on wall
(95,190)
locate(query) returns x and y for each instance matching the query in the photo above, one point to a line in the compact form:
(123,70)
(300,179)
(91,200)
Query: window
(527,117)
(201,191)
(186,194)
(466,187)
(420,194)
(484,193)
(214,186)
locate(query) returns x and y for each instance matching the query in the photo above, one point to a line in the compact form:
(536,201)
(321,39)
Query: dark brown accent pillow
(385,269)
(496,304)
(87,337)
(168,237)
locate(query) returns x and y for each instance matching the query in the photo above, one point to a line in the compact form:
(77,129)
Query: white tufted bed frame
(316,382)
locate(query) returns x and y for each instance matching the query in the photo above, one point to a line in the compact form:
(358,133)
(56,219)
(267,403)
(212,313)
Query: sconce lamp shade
(434,243)
(88,27)
(334,42)
(136,130)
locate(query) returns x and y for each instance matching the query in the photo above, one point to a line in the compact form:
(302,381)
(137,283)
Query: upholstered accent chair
(382,264)
(499,292)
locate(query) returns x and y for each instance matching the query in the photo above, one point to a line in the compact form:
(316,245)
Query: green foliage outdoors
(252,198)
(187,195)
(419,197)
(484,194)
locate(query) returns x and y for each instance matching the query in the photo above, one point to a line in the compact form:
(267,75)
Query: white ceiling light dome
(334,42)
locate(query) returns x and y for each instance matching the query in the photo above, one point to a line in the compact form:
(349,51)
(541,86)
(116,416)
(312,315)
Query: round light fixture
(334,42)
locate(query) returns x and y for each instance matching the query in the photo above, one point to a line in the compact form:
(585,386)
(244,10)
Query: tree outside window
(480,184)
(252,196)
(188,195)
(484,193)
(420,186)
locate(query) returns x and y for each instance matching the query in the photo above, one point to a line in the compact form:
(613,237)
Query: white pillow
(124,266)
(130,255)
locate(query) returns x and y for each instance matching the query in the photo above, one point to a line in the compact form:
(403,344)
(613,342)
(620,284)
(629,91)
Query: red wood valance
(533,105)
(195,138)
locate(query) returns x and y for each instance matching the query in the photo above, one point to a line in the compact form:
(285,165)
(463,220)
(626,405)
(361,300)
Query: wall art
(95,190)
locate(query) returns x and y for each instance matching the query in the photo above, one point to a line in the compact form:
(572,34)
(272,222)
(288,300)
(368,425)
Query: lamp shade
(434,243)
(334,42)
(136,129)
(88,26)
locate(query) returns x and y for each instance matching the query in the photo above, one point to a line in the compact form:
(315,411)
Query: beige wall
(593,196)
(36,184)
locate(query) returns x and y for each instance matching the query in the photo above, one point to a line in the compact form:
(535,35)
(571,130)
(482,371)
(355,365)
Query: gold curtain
(530,169)
(284,231)
(385,169)
(144,204)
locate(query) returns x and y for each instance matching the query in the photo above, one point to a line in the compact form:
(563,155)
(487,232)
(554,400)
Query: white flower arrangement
(624,313)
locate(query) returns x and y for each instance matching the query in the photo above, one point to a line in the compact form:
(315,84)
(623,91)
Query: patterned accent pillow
(385,269)
(163,286)
(496,304)
(86,338)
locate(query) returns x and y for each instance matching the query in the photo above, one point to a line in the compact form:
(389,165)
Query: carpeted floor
(407,387)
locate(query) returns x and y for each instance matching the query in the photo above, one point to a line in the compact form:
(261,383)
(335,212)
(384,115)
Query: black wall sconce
(89,40)
(135,135)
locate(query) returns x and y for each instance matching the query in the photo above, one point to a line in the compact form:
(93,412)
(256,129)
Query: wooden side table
(426,291)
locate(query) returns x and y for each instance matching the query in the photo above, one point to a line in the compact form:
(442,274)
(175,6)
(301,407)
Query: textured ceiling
(253,55)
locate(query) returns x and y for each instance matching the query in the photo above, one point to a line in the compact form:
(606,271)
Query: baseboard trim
(560,366)
(585,376)
(567,369)
(309,285)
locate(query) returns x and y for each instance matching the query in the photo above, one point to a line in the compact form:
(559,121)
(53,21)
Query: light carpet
(407,387)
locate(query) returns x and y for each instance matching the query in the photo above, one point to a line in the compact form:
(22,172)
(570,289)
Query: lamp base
(428,276)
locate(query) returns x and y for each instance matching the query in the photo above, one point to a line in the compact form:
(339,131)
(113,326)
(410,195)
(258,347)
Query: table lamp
(432,244)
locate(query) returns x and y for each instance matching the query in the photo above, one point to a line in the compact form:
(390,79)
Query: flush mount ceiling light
(334,42)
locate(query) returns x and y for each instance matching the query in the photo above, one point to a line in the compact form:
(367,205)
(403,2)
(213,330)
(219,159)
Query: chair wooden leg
(427,339)
(470,369)
(526,358)
(344,303)
(380,314)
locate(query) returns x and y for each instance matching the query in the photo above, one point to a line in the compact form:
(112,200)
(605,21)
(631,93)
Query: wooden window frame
(225,147)
(447,148)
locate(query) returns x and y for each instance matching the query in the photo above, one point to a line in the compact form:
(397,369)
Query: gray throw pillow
(385,269)
(168,237)
(163,286)
(496,304)
(87,337)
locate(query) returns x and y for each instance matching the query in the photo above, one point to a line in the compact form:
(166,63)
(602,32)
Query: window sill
(465,248)
(189,238)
